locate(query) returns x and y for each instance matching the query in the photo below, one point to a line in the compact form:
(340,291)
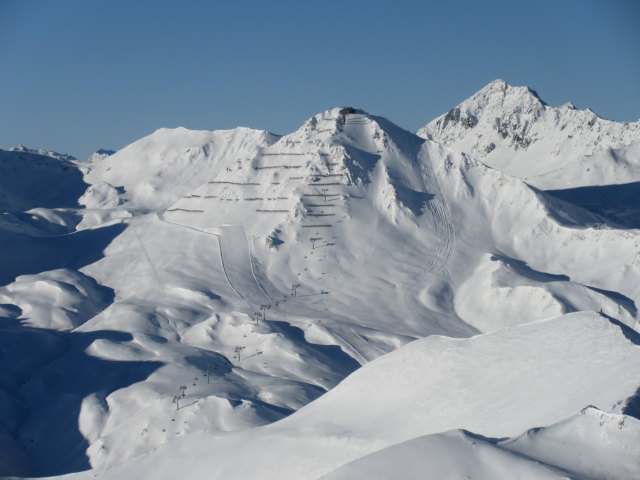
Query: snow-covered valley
(350,300)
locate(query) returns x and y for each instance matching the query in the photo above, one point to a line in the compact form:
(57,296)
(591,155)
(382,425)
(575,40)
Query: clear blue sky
(78,75)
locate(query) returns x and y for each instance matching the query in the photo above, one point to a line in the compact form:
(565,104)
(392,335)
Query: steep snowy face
(322,206)
(535,249)
(512,129)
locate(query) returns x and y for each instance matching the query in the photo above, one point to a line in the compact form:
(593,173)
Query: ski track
(235,246)
(226,273)
(347,346)
(443,224)
(235,257)
(436,264)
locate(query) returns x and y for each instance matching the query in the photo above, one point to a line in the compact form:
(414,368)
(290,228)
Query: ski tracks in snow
(235,255)
(442,221)
(237,264)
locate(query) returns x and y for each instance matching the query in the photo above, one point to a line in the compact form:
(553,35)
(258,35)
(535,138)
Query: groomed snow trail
(235,255)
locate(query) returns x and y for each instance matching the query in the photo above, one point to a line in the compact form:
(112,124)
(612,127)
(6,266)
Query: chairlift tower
(237,350)
(264,308)
(208,368)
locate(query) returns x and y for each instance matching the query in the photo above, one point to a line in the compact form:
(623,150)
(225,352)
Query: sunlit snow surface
(165,307)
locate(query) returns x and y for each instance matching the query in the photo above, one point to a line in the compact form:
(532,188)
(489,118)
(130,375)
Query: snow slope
(456,454)
(30,180)
(496,385)
(592,444)
(159,168)
(512,129)
(611,192)
(547,240)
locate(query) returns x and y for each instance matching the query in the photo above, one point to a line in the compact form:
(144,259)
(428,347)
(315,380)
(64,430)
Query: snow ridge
(45,153)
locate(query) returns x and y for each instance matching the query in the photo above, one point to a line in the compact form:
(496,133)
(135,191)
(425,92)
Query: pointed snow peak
(351,127)
(326,126)
(502,88)
(496,85)
(500,93)
(500,104)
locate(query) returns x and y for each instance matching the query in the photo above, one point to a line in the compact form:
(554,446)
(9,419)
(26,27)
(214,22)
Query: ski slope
(235,255)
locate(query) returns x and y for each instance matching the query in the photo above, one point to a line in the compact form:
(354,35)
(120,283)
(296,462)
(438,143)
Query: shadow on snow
(39,424)
(617,203)
(31,255)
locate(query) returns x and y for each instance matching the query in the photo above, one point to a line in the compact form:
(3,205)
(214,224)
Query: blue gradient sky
(78,75)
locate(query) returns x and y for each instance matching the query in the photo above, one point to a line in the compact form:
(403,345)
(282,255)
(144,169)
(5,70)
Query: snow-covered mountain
(45,153)
(179,298)
(512,129)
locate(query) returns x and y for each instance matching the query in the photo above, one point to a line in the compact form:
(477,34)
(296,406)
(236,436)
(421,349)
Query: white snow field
(348,300)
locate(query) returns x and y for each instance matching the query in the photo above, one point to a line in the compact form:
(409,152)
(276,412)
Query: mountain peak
(496,85)
(340,114)
(512,129)
(500,92)
(351,128)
